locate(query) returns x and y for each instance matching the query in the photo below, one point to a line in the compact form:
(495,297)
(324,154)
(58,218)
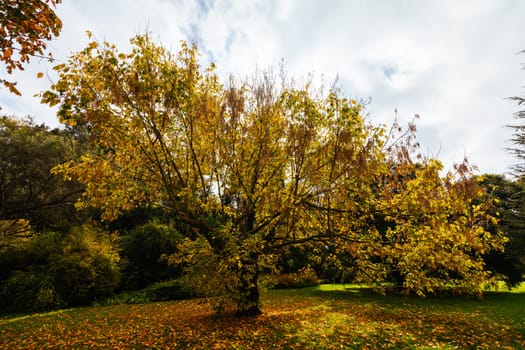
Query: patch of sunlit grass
(519,289)
(340,287)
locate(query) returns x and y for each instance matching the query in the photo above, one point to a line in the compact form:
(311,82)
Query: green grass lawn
(324,317)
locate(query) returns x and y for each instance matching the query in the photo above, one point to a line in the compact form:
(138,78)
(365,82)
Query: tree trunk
(248,304)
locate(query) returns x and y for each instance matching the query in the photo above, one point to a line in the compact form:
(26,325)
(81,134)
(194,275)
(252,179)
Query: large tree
(25,27)
(509,197)
(28,190)
(250,168)
(514,208)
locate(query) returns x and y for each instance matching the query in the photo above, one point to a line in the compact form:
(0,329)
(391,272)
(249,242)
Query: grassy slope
(329,317)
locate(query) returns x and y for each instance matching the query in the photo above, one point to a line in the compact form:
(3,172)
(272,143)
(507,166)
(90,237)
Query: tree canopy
(509,198)
(28,190)
(25,27)
(260,164)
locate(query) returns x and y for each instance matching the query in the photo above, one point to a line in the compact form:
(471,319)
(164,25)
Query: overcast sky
(452,62)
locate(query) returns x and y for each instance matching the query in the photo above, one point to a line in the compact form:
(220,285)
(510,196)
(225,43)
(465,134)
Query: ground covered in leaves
(294,319)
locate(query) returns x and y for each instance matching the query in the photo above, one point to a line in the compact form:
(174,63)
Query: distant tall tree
(28,190)
(516,217)
(25,26)
(509,199)
(519,133)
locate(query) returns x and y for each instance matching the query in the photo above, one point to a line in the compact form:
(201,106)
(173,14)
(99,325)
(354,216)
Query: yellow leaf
(40,75)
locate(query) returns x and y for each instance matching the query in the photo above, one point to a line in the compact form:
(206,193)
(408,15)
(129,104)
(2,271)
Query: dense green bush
(30,290)
(87,267)
(143,250)
(169,290)
(161,291)
(11,258)
(61,269)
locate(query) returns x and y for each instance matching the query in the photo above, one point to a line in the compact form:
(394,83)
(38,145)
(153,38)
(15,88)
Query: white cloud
(452,62)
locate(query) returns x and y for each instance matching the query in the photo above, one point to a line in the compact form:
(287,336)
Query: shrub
(161,291)
(142,250)
(169,290)
(29,291)
(62,269)
(305,277)
(87,267)
(11,258)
